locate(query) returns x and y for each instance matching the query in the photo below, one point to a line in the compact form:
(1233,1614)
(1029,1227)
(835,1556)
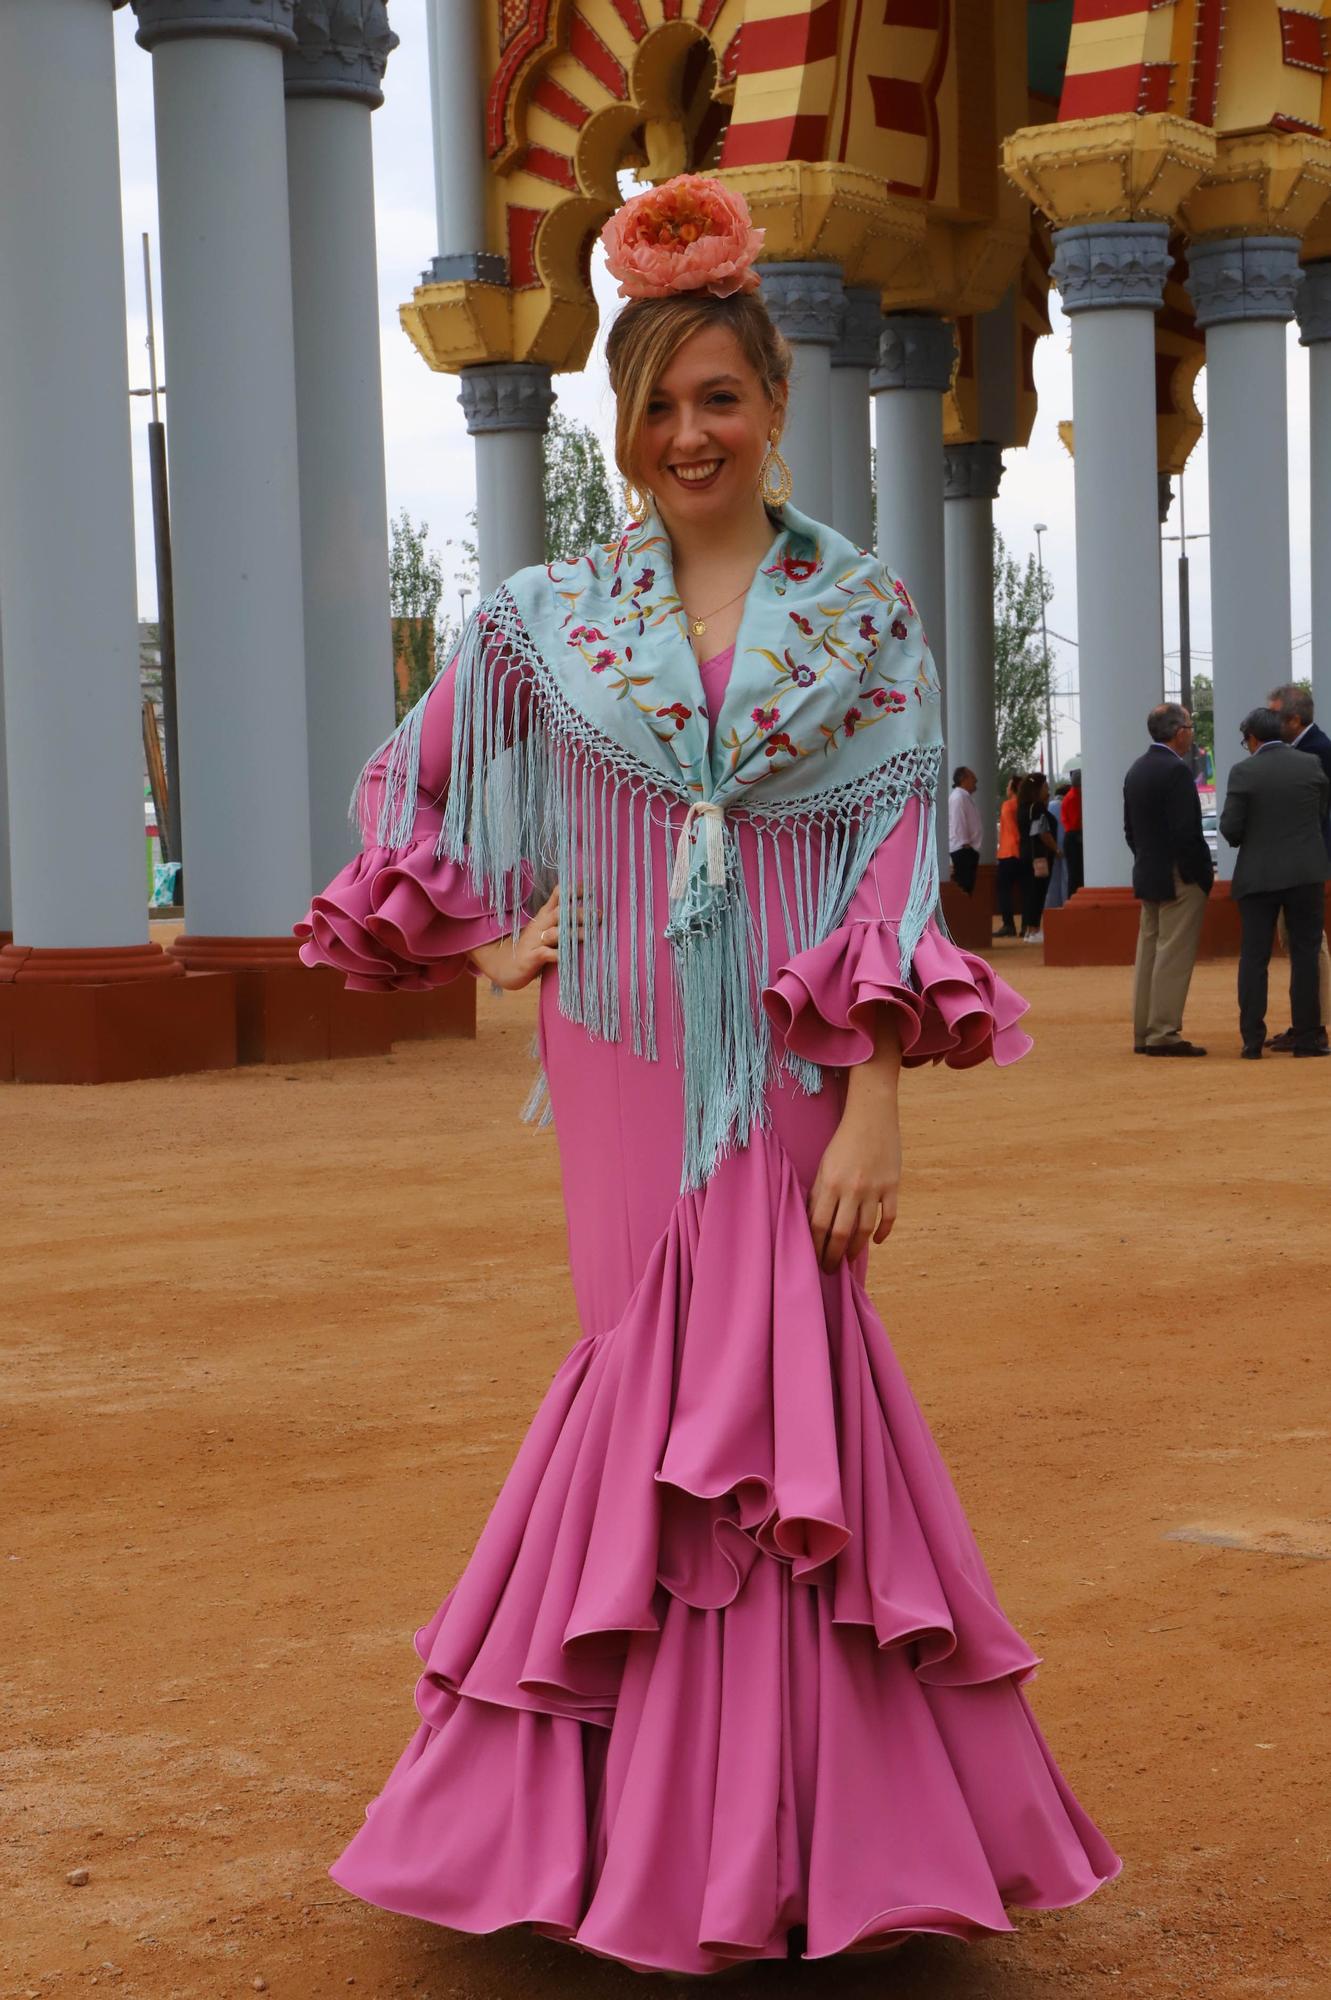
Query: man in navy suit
(1172,873)
(1294,705)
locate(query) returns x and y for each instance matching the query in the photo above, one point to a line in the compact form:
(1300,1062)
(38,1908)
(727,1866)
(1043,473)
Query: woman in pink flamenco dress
(725,1676)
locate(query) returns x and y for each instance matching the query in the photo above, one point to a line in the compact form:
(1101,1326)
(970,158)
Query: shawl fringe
(532,802)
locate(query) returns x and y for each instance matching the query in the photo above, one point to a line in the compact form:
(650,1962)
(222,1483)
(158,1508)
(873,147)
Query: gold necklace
(698,626)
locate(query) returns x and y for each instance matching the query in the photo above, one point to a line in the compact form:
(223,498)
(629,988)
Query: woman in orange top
(1009,859)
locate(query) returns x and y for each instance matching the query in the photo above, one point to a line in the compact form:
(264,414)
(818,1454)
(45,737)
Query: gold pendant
(699,628)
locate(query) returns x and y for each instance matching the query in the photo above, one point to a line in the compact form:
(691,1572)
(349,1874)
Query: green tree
(423,640)
(415,571)
(415,586)
(579,507)
(1021,676)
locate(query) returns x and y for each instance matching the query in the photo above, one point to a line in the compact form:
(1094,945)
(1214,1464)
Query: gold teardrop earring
(636,502)
(774,481)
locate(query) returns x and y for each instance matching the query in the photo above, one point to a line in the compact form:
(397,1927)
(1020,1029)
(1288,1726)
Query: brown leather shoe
(1283,1044)
(1175,1049)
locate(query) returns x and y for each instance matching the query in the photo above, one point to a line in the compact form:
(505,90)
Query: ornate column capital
(1099,265)
(1262,184)
(807,301)
(1243,277)
(860,328)
(972,471)
(915,351)
(342,49)
(175,20)
(506,396)
(1124,166)
(1314,303)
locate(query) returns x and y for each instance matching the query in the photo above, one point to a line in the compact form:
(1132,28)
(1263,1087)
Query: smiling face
(705,431)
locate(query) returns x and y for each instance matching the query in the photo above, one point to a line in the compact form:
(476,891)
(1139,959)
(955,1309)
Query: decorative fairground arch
(921,167)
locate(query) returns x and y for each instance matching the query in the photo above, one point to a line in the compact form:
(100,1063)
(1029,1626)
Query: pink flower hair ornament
(690,234)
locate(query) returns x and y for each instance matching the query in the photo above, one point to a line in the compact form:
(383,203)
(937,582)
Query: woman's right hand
(514,963)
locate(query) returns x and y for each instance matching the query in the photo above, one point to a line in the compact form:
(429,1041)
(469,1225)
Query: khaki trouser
(1166,953)
(1323,970)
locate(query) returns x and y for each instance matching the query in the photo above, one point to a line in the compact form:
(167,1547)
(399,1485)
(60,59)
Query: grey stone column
(971,473)
(333,81)
(507,405)
(853,360)
(6,900)
(916,352)
(1315,334)
(1243,291)
(807,302)
(457,106)
(1111,277)
(226,301)
(67,577)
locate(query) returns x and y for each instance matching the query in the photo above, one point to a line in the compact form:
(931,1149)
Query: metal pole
(173,848)
(1044,638)
(1184,601)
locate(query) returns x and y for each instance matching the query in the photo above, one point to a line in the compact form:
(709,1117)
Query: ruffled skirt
(726,1660)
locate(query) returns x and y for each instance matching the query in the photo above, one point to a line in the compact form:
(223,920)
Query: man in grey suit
(1275,804)
(1293,703)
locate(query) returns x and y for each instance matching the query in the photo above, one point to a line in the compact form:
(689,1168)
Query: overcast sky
(428,451)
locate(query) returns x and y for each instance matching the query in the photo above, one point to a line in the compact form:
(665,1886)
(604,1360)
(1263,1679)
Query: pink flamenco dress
(725,1675)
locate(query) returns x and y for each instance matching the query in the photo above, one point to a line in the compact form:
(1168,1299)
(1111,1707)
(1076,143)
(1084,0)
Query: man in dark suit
(1294,705)
(1275,805)
(1172,874)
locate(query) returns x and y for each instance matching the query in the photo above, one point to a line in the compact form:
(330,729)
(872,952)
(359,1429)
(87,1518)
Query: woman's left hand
(854,1196)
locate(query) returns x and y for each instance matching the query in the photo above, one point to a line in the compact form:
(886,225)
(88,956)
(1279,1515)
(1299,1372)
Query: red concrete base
(116,1030)
(970,919)
(287,1012)
(1099,927)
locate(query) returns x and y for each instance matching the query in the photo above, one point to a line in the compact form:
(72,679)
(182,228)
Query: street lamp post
(1041,528)
(1185,610)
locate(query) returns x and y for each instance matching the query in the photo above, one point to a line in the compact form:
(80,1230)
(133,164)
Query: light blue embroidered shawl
(577,680)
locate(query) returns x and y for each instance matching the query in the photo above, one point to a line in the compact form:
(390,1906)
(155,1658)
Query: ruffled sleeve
(401,918)
(951,1007)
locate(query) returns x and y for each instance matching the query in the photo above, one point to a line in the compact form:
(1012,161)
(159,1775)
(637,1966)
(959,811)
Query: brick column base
(289,1012)
(1099,927)
(109,1016)
(970,919)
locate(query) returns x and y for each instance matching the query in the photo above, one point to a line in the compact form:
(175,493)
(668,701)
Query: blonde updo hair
(648,333)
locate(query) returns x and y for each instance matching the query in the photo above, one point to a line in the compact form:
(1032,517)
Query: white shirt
(964,827)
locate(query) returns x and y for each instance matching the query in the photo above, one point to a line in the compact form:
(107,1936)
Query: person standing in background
(1039,851)
(1294,705)
(1275,805)
(1009,859)
(1172,873)
(964,829)
(1058,874)
(1072,848)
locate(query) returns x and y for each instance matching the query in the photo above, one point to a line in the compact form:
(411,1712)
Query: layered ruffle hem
(951,1007)
(726,1660)
(398,919)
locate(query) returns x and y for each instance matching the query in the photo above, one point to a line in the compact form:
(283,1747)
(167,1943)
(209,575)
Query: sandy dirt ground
(271,1339)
